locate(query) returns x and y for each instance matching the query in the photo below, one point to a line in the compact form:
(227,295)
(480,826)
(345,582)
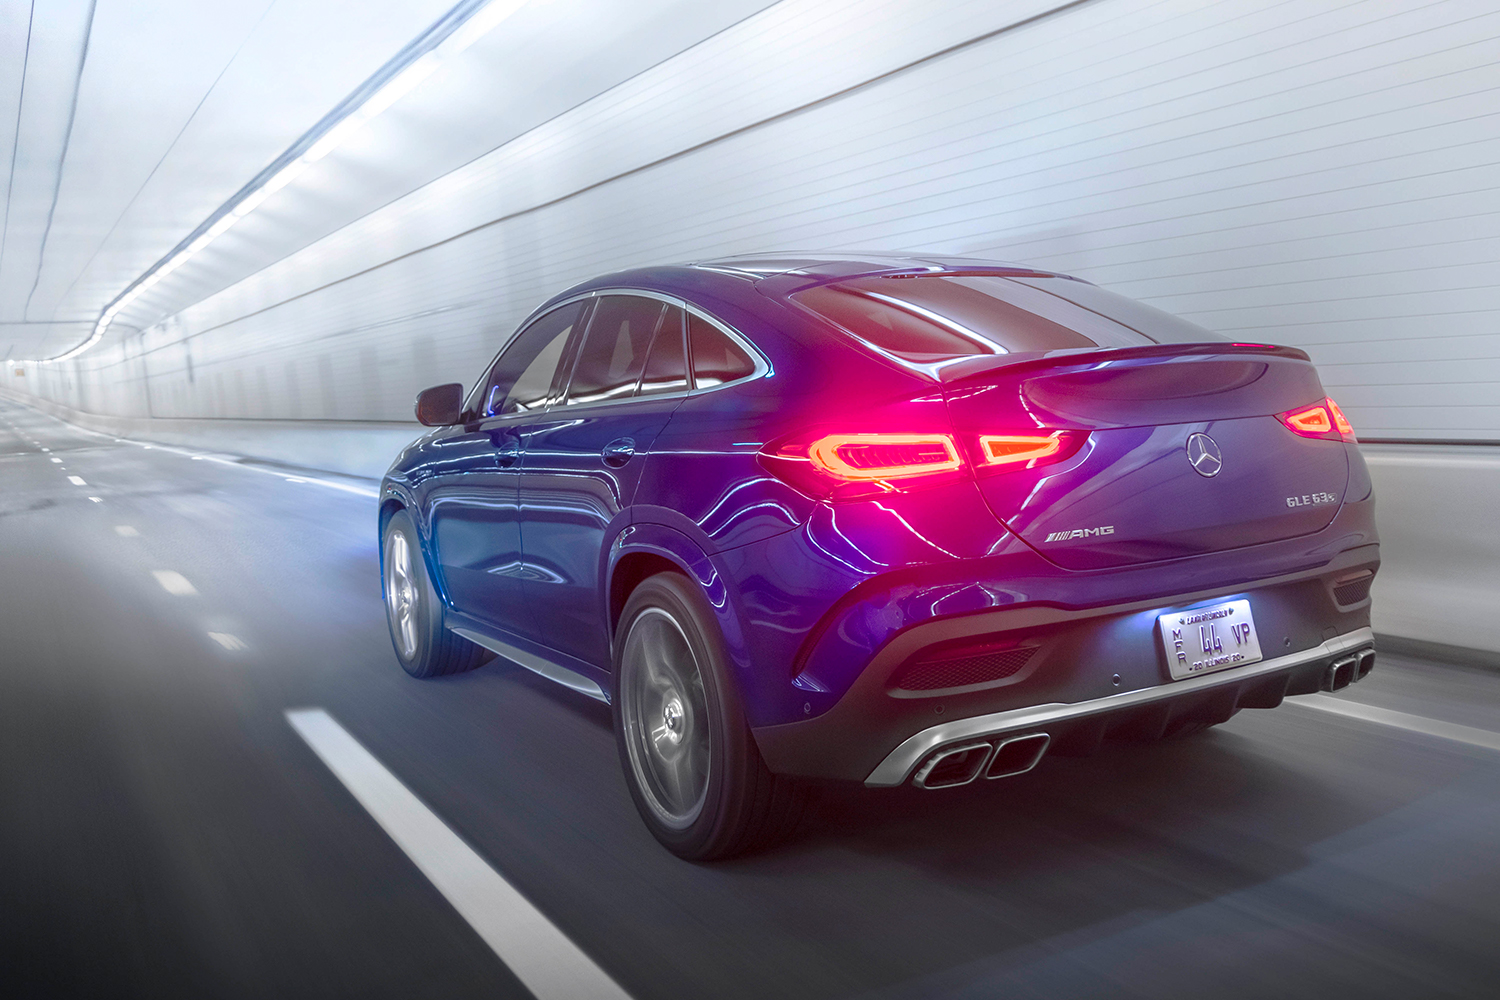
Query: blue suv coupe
(885,519)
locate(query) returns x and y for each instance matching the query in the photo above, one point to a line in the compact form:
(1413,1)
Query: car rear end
(1086,519)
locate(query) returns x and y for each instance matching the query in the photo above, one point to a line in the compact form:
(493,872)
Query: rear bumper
(1087,674)
(1259,685)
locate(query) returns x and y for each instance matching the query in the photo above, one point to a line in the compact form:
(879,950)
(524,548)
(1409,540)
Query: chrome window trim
(762,366)
(472,398)
(898,764)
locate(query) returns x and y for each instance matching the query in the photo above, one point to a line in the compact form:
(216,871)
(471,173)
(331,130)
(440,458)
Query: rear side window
(931,318)
(521,379)
(614,349)
(666,364)
(716,358)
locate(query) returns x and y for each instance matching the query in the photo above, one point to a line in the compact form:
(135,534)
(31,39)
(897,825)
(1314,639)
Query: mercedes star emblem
(1203,454)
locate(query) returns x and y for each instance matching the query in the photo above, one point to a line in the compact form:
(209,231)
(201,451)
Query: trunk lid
(1185,454)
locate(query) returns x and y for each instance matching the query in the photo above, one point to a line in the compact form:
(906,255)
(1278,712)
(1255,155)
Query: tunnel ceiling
(123,124)
(178,104)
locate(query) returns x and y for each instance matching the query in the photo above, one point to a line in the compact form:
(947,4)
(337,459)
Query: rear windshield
(930,319)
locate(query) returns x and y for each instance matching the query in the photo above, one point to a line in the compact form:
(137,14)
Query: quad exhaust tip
(961,763)
(1348,669)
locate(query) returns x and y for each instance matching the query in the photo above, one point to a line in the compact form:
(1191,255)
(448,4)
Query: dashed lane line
(1400,720)
(233,643)
(174,582)
(222,460)
(549,964)
(77,481)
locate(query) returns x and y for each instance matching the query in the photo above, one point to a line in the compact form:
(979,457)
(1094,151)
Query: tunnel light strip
(460,28)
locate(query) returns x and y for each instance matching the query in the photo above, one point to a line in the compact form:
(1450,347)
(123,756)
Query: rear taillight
(1003,452)
(884,456)
(857,466)
(1322,420)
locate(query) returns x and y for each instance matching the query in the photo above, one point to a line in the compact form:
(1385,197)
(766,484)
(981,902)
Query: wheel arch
(643,550)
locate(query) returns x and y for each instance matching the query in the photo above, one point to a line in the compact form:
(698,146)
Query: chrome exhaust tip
(953,766)
(1366,664)
(1340,673)
(1017,755)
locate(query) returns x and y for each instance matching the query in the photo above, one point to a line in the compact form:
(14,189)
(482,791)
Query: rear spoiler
(959,371)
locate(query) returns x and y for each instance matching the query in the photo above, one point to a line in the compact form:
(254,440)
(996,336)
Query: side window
(666,365)
(522,376)
(614,348)
(716,358)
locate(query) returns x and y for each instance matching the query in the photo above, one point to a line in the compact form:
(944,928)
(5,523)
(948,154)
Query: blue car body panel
(528,533)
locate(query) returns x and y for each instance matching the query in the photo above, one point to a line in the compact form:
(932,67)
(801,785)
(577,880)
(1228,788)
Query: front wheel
(413,610)
(689,758)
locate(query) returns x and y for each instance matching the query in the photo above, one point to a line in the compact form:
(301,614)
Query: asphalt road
(164,830)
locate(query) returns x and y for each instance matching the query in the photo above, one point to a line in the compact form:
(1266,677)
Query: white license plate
(1202,640)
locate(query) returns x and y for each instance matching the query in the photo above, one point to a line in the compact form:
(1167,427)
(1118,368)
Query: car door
(472,502)
(583,460)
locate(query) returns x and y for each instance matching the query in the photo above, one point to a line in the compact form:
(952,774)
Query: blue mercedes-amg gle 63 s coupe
(894,520)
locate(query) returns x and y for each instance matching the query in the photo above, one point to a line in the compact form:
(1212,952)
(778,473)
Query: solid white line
(1400,720)
(206,457)
(77,481)
(540,955)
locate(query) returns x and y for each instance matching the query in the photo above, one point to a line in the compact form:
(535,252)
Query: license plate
(1202,640)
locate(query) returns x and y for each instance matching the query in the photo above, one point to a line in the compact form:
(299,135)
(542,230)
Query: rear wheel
(414,611)
(689,758)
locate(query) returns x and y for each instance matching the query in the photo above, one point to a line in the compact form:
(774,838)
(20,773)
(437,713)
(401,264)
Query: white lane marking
(126,531)
(1401,720)
(97,499)
(551,966)
(174,582)
(221,460)
(230,642)
(57,460)
(77,481)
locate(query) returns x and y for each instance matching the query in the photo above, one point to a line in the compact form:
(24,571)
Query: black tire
(703,808)
(413,610)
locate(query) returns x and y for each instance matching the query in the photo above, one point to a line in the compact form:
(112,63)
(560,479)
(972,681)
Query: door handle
(507,453)
(618,452)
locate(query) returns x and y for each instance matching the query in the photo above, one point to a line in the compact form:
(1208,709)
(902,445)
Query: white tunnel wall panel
(1317,173)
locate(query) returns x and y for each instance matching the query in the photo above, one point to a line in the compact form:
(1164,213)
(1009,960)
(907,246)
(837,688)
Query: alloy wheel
(665,713)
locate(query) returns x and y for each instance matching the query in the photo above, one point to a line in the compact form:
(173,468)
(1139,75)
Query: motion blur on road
(239,237)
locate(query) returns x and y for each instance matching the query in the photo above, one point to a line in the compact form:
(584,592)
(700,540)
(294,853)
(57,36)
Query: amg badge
(1063,536)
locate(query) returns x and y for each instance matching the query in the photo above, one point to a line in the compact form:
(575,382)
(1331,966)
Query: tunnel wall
(1317,173)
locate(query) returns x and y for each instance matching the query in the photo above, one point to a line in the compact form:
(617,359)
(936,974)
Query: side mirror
(440,406)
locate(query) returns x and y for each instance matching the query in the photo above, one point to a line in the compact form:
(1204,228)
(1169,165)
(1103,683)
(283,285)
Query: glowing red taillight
(856,466)
(1005,449)
(884,456)
(1346,429)
(1322,420)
